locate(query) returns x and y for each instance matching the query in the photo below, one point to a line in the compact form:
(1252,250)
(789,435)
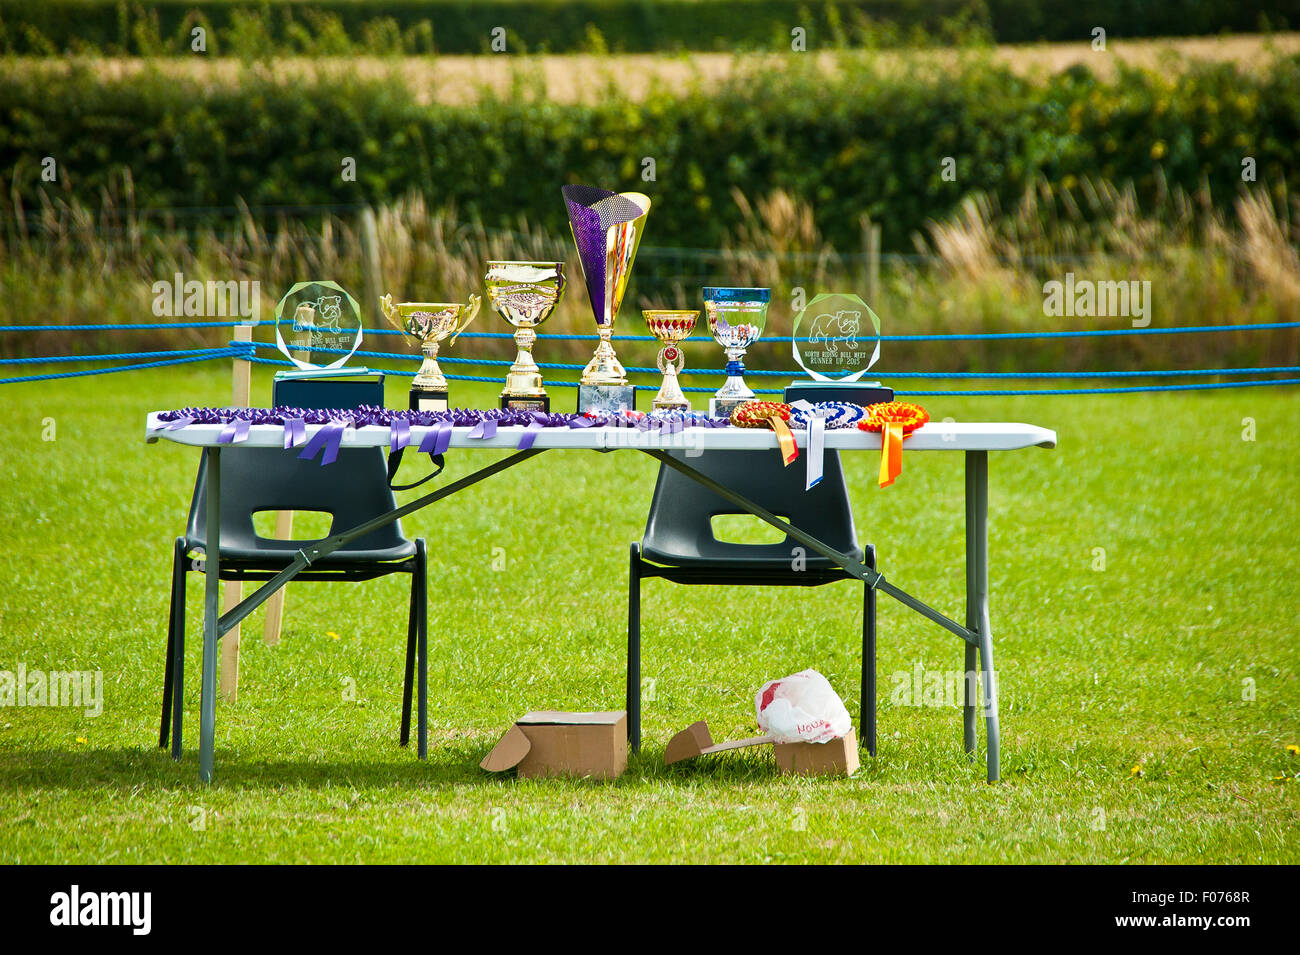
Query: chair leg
(867,718)
(634,650)
(422,649)
(411,628)
(970,678)
(178,649)
(164,730)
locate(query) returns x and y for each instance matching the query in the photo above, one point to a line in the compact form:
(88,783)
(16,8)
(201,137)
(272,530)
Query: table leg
(211,616)
(970,676)
(634,651)
(977,599)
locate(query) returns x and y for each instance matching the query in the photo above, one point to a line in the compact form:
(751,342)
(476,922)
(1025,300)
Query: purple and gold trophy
(670,326)
(607,229)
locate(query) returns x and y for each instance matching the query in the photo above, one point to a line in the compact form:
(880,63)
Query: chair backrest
(679,529)
(352,489)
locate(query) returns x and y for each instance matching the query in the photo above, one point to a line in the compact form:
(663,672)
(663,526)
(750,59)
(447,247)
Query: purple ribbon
(234,432)
(399,434)
(329,437)
(437,439)
(295,432)
(295,420)
(530,435)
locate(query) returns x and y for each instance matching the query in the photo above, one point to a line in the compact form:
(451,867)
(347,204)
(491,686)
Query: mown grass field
(1131,732)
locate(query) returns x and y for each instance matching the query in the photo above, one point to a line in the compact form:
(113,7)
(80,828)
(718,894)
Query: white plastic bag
(801,708)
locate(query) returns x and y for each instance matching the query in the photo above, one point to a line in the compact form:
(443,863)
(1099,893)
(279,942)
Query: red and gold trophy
(670,326)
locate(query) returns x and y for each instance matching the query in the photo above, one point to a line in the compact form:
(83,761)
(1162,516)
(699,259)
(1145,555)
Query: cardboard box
(696,740)
(553,743)
(839,757)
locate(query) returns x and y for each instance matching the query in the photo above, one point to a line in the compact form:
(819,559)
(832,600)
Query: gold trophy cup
(525,294)
(430,324)
(670,326)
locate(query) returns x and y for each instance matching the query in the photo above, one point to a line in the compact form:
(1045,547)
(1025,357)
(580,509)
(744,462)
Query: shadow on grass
(126,770)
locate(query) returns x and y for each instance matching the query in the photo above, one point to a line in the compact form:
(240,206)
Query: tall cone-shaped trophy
(607,228)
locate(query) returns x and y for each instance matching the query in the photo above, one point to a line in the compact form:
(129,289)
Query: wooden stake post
(240,395)
(275,603)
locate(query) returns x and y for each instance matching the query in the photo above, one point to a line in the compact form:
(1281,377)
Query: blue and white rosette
(815,419)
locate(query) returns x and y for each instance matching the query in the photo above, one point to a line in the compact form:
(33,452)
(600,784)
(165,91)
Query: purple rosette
(483,424)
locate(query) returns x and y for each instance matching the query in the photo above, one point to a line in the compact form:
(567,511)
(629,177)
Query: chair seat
(741,557)
(273,553)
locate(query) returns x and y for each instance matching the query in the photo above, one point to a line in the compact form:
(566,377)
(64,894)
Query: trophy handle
(471,309)
(390,313)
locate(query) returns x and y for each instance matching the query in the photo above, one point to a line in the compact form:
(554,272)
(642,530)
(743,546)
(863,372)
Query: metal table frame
(976,633)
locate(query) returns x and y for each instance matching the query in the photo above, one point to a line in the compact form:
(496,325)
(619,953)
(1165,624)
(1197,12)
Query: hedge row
(865,143)
(245,27)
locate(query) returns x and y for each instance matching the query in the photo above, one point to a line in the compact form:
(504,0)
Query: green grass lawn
(1179,657)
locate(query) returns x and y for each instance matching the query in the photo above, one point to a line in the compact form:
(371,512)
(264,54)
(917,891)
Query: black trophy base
(606,399)
(428,400)
(854,392)
(540,403)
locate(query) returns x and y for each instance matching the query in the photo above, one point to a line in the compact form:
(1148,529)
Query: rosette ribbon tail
(816,451)
(785,440)
(891,452)
(295,432)
(529,435)
(235,431)
(325,443)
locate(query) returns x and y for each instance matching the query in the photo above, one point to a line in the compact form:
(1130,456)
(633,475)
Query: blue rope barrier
(1195,386)
(973,393)
(719,372)
(125,356)
(135,327)
(758,372)
(983,336)
(1037,392)
(110,371)
(246,351)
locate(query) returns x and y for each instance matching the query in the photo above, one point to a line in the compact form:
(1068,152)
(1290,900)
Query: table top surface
(935,436)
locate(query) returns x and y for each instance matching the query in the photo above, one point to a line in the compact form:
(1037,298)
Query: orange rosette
(895,420)
(769,414)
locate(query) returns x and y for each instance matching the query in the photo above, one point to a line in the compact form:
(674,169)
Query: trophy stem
(604,367)
(525,378)
(734,392)
(735,386)
(670,396)
(430,376)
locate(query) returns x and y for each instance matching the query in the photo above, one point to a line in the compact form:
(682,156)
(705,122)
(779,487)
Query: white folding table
(974,439)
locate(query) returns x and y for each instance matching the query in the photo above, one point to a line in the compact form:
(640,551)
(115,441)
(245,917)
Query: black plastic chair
(353,489)
(679,546)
